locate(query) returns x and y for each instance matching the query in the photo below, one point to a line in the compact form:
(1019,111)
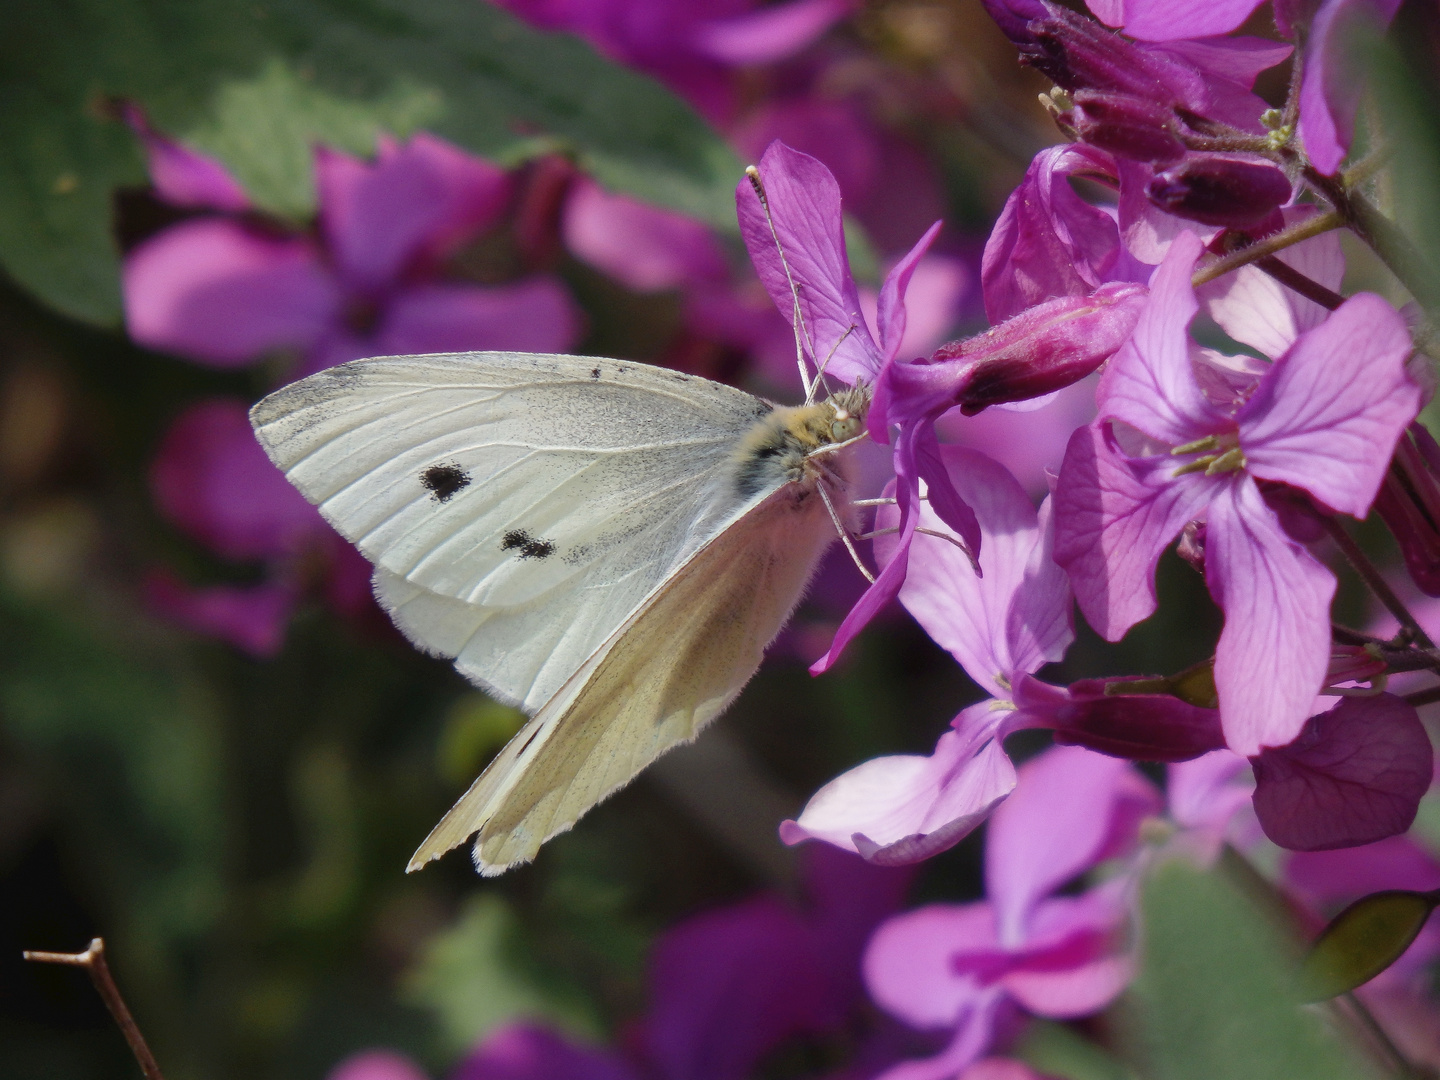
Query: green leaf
(258,82)
(1217,994)
(1363,940)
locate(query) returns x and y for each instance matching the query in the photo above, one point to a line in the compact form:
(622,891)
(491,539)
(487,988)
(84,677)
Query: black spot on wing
(444,482)
(595,373)
(526,545)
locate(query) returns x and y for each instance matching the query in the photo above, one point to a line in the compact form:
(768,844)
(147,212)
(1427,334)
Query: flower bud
(1126,126)
(1043,349)
(1220,189)
(1129,718)
(1409,503)
(1077,53)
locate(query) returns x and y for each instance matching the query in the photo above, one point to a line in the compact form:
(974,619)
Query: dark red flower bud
(1409,503)
(1127,126)
(1220,189)
(1080,54)
(1043,349)
(1129,718)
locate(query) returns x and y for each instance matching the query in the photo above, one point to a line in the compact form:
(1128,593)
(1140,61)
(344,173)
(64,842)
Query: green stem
(1301,231)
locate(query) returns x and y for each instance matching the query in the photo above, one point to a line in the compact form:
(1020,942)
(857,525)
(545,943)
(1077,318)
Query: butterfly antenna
(797,321)
(844,533)
(820,371)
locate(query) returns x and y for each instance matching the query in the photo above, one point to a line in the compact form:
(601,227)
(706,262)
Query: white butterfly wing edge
(672,667)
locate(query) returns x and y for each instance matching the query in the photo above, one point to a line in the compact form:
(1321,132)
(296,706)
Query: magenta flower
(211,480)
(804,202)
(225,291)
(1323,418)
(690,45)
(959,968)
(1013,620)
(1330,89)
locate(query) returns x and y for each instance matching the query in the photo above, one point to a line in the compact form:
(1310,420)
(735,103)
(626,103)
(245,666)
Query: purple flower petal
(377,1065)
(1075,964)
(1166,20)
(645,248)
(1070,809)
(1252,307)
(1150,384)
(805,207)
(252,619)
(729,986)
(1330,90)
(535,315)
(1048,241)
(907,807)
(1275,648)
(890,309)
(1327,415)
(182,176)
(531,1052)
(417,201)
(211,478)
(908,963)
(1354,775)
(1203,793)
(1237,60)
(219,293)
(770,34)
(1339,875)
(1016,617)
(887,583)
(1113,518)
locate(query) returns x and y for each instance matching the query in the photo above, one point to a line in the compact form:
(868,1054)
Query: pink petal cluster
(959,968)
(226,290)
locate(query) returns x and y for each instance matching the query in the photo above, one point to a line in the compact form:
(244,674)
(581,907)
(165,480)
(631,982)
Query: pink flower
(211,480)
(959,967)
(1323,418)
(225,291)
(690,45)
(1013,620)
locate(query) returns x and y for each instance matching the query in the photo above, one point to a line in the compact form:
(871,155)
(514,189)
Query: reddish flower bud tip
(1043,349)
(1220,189)
(1127,126)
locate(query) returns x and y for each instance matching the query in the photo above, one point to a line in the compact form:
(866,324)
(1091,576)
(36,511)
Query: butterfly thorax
(787,444)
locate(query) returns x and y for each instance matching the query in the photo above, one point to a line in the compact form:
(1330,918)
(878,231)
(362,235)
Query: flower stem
(1376,581)
(1293,279)
(1300,231)
(93,961)
(1423,697)
(1383,236)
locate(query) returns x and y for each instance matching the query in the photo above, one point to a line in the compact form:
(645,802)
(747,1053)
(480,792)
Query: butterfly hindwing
(659,678)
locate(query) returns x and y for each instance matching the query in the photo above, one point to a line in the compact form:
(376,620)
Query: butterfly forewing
(661,676)
(518,506)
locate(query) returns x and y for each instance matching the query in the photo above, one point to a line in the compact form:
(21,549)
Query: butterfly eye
(846,428)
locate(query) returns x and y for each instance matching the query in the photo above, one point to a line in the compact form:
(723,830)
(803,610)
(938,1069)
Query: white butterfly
(609,545)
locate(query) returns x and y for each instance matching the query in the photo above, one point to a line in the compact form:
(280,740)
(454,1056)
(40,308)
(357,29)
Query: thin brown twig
(93,961)
(1293,279)
(1376,581)
(1423,697)
(1303,230)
